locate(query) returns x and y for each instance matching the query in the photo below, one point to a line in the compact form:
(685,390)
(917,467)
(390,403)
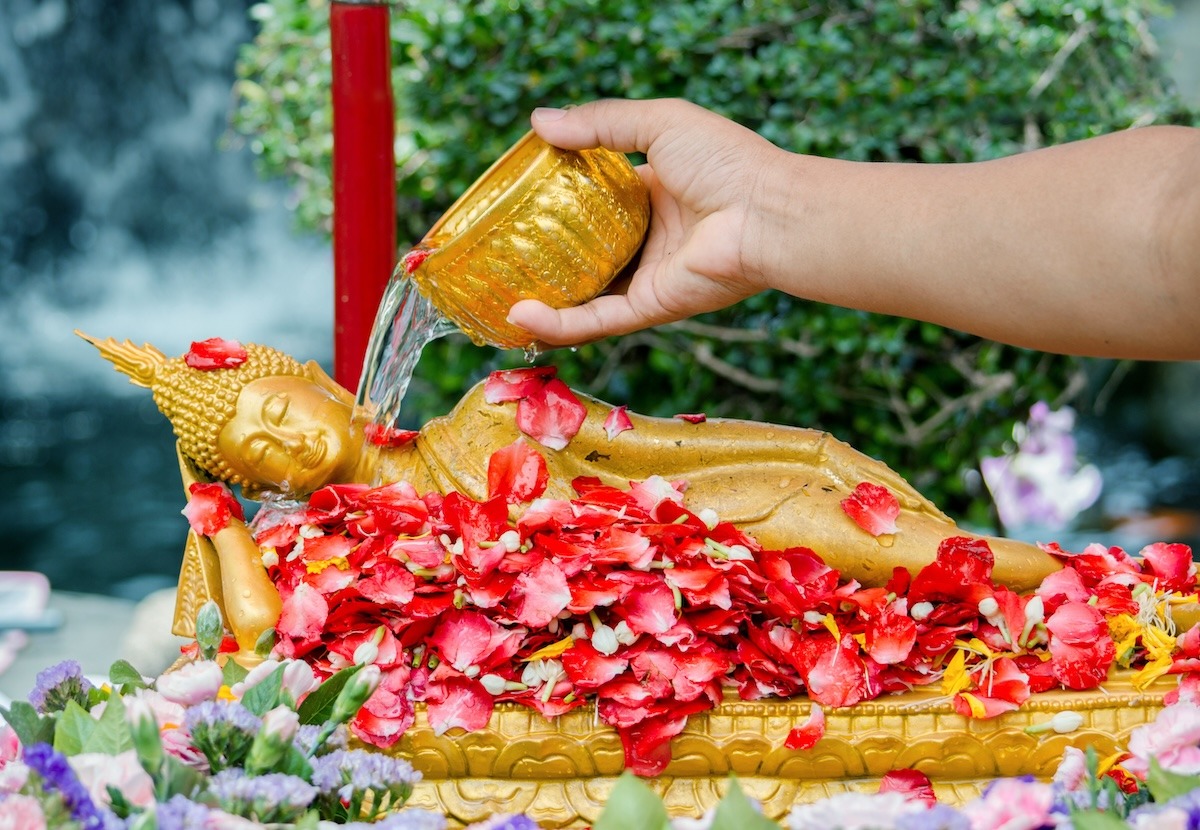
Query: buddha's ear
(327,383)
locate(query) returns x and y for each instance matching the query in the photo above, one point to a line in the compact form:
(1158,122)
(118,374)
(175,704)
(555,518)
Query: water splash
(405,323)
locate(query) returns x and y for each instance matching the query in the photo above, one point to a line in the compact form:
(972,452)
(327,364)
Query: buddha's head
(269,423)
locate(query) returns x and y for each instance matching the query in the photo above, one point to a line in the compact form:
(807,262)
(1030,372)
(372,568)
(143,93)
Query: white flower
(604,640)
(511,540)
(853,811)
(191,683)
(97,771)
(921,610)
(709,517)
(494,683)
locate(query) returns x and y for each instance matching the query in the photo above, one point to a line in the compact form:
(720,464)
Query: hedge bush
(918,81)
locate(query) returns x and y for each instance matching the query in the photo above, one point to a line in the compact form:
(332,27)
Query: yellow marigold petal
(1151,672)
(830,623)
(225,693)
(1108,763)
(321,564)
(552,650)
(956,677)
(977,708)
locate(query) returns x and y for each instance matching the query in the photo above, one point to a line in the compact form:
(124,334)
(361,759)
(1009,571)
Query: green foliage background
(919,80)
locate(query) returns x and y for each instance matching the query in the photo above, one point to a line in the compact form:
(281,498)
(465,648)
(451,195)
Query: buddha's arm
(252,605)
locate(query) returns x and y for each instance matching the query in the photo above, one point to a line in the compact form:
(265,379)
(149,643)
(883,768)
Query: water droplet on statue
(246,593)
(574,350)
(531,353)
(887,540)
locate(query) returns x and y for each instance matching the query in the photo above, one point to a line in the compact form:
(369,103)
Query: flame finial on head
(138,363)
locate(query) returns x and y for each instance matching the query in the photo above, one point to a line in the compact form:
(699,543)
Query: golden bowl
(541,223)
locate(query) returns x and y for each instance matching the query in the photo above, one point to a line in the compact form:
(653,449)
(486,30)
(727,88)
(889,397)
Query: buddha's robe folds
(782,485)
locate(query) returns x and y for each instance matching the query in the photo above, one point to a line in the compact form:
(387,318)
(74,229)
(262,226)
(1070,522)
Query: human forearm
(1089,248)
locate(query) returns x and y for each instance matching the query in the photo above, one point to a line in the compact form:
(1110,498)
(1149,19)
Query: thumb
(606,315)
(623,125)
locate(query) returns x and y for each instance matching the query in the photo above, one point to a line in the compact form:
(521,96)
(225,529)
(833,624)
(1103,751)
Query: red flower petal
(543,594)
(912,784)
(303,617)
(413,259)
(515,384)
(873,508)
(650,609)
(692,417)
(890,636)
(1171,565)
(458,702)
(383,436)
(215,353)
(806,735)
(388,712)
(211,507)
(961,566)
(617,422)
(517,472)
(551,415)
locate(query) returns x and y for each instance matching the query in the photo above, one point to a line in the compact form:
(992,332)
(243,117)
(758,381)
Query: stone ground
(95,631)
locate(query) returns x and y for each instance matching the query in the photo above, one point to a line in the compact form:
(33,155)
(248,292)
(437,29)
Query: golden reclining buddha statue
(275,425)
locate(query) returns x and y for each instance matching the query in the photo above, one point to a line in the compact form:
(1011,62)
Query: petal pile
(625,599)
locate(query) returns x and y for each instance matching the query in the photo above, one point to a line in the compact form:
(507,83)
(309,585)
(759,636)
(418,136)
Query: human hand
(704,174)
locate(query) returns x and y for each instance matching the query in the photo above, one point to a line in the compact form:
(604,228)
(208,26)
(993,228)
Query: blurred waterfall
(122,215)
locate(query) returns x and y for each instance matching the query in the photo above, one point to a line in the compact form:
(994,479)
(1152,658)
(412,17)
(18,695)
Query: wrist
(777,247)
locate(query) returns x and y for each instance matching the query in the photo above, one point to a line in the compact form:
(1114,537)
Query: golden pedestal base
(560,772)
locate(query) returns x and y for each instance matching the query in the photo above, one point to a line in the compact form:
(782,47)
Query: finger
(606,315)
(623,125)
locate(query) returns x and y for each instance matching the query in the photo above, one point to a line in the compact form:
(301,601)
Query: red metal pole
(364,177)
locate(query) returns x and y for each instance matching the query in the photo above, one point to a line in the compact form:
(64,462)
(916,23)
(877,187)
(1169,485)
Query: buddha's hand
(707,177)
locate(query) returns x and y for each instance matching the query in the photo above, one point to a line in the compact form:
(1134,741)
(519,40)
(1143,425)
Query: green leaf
(112,735)
(177,779)
(233,672)
(75,727)
(1096,820)
(318,706)
(123,674)
(31,728)
(263,697)
(1165,785)
(266,642)
(736,812)
(633,806)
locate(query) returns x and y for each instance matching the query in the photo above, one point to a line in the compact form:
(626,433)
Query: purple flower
(181,814)
(308,734)
(1041,484)
(56,686)
(275,797)
(403,820)
(346,777)
(223,731)
(58,777)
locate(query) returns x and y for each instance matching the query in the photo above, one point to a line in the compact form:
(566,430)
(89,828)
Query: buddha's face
(288,434)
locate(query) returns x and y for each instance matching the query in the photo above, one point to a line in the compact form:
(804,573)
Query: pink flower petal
(873,508)
(912,784)
(304,614)
(617,422)
(514,384)
(381,436)
(413,259)
(551,415)
(458,703)
(1171,565)
(692,417)
(806,735)
(215,353)
(544,594)
(517,472)
(210,508)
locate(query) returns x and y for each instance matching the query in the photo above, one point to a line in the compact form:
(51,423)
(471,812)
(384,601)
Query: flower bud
(493,683)
(604,640)
(988,606)
(511,540)
(921,610)
(355,693)
(367,652)
(147,741)
(273,741)
(1035,610)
